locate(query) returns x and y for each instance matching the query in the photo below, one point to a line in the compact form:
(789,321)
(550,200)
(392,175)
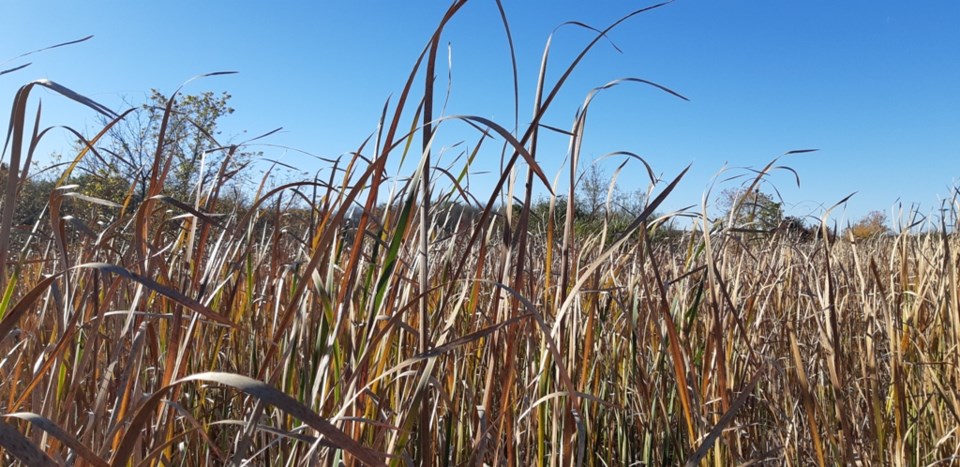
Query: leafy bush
(874,224)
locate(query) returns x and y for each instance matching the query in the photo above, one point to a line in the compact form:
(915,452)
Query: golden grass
(286,336)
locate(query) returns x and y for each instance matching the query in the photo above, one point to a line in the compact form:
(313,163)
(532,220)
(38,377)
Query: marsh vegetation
(165,318)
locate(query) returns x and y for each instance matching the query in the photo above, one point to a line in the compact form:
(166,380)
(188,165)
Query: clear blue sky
(875,85)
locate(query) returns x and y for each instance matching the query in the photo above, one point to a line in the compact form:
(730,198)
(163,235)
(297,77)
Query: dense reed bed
(286,330)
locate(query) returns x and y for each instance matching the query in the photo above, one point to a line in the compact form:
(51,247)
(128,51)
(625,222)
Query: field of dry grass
(193,332)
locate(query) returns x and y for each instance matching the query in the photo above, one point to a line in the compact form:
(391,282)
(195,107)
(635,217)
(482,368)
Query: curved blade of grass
(473,336)
(67,439)
(73,95)
(590,28)
(75,41)
(11,318)
(554,395)
(21,447)
(799,151)
(93,200)
(263,392)
(514,142)
(646,165)
(186,207)
(725,420)
(201,76)
(170,293)
(11,70)
(279,432)
(633,80)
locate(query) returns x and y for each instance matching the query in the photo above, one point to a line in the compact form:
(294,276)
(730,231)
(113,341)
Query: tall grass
(192,332)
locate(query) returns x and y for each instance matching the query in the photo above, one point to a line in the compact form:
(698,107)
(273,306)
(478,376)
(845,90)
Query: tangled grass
(283,333)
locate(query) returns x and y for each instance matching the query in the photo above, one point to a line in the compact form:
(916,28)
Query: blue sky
(874,85)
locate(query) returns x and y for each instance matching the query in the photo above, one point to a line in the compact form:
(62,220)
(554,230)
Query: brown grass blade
(12,317)
(188,209)
(21,447)
(294,408)
(67,439)
(168,292)
(263,392)
(725,420)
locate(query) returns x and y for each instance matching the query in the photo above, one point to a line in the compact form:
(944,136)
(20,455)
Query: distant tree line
(120,168)
(758,212)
